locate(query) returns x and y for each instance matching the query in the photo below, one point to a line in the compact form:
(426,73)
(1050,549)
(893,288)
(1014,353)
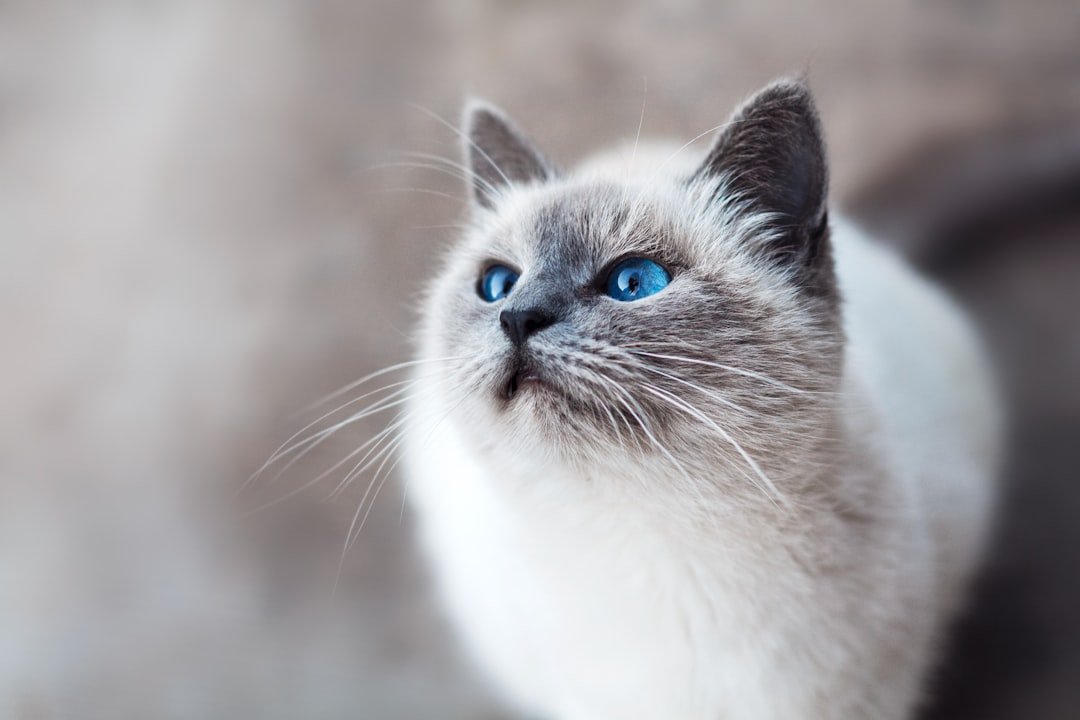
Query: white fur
(582,602)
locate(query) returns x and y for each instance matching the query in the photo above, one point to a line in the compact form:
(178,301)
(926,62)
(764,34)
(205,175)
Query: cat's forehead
(579,223)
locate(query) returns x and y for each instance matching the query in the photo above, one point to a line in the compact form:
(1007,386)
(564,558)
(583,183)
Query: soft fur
(757,494)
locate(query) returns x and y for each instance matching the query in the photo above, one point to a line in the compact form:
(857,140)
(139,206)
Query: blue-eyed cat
(684,445)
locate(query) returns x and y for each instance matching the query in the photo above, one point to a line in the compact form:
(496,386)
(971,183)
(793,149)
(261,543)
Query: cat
(684,445)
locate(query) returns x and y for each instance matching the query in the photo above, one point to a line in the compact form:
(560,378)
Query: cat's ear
(772,155)
(498,154)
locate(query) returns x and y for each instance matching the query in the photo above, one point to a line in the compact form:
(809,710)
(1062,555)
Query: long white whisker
(641,120)
(318,438)
(721,366)
(374,440)
(697,137)
(423,444)
(694,412)
(689,143)
(349,536)
(364,463)
(721,431)
(286,448)
(648,432)
(390,448)
(434,167)
(324,435)
(587,375)
(422,191)
(722,400)
(453,128)
(315,480)
(378,373)
(465,173)
(372,456)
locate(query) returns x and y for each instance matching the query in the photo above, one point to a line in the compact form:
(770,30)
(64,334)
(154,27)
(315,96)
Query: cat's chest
(558,587)
(572,578)
(595,534)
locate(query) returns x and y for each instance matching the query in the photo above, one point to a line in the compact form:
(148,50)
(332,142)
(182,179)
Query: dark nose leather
(520,324)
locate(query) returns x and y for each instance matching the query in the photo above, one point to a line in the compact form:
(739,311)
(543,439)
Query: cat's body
(744,536)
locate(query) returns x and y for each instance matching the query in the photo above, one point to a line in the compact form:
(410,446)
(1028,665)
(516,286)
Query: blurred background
(198,238)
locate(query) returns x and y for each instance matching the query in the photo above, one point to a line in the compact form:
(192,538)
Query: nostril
(520,324)
(537,320)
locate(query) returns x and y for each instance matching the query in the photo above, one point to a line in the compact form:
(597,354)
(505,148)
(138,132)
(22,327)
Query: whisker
(441,165)
(466,138)
(728,368)
(389,453)
(444,226)
(324,435)
(372,443)
(641,120)
(314,481)
(694,412)
(350,539)
(420,166)
(715,128)
(423,444)
(372,456)
(722,400)
(364,463)
(422,191)
(688,406)
(317,438)
(590,378)
(466,174)
(643,424)
(379,373)
(285,448)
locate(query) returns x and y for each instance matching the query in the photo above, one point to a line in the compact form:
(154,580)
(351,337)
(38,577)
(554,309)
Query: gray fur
(716,477)
(499,154)
(761,321)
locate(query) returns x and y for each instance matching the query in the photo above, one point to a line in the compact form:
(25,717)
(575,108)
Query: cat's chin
(541,411)
(535,396)
(545,418)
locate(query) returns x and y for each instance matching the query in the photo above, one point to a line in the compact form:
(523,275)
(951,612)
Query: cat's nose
(520,324)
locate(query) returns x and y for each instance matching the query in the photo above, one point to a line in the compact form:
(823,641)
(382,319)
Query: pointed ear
(771,154)
(498,154)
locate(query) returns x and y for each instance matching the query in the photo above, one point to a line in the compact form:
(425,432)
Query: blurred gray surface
(195,242)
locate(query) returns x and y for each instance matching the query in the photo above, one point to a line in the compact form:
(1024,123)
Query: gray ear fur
(498,154)
(773,155)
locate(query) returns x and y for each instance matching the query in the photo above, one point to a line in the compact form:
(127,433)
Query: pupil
(632,283)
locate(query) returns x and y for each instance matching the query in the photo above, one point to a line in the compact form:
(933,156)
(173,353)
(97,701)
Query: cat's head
(645,304)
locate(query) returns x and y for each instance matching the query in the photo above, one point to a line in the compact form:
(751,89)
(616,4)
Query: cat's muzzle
(521,375)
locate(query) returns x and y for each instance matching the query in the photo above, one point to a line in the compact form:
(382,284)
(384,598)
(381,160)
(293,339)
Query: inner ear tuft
(772,154)
(498,154)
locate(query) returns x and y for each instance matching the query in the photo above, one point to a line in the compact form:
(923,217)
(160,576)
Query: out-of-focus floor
(196,241)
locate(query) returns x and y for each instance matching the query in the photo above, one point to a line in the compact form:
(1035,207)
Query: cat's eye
(497,282)
(636,278)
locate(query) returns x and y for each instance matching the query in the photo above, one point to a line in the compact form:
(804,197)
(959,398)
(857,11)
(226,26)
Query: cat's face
(595,316)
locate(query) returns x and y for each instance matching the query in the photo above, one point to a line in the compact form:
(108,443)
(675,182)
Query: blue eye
(636,278)
(497,282)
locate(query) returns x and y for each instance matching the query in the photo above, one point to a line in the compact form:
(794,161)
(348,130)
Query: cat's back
(914,357)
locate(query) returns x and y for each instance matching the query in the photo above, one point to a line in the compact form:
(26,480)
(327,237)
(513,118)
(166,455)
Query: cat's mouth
(529,384)
(523,377)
